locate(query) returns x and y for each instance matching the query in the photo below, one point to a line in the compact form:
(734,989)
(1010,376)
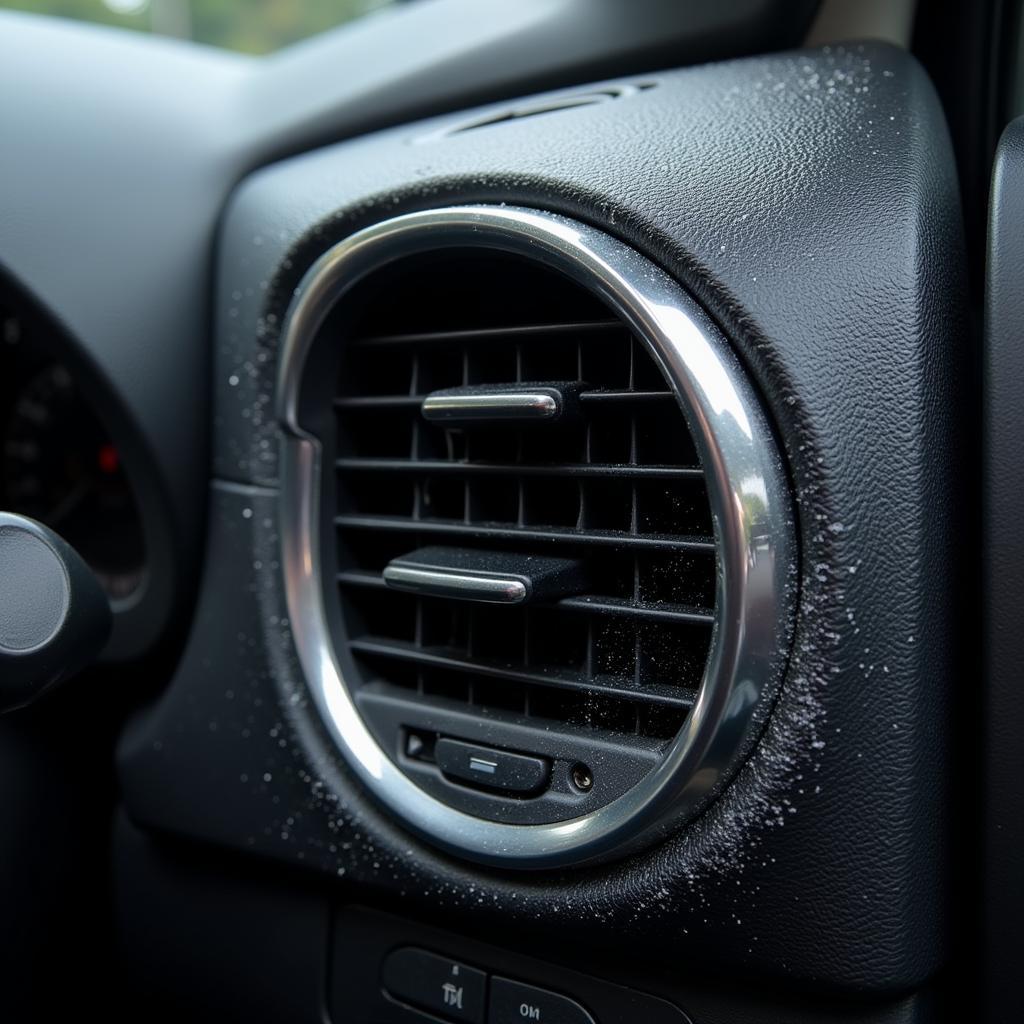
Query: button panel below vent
(616,487)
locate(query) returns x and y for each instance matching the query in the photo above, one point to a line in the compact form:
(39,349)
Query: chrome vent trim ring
(746,488)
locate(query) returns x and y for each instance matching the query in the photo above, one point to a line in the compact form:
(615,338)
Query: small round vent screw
(582,778)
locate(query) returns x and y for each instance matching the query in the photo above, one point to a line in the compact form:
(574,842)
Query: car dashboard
(538,582)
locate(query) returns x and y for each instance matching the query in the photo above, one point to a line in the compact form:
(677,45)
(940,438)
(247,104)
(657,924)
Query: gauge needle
(66,504)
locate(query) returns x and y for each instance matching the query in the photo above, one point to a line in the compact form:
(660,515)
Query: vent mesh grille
(620,487)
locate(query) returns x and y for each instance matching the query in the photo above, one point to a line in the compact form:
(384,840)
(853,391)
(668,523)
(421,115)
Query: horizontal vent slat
(381,402)
(624,397)
(606,686)
(379,692)
(566,535)
(511,333)
(662,612)
(430,466)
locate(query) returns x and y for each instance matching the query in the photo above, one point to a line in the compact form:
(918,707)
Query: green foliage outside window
(248,26)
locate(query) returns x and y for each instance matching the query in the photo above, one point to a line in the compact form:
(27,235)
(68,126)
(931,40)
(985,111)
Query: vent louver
(619,487)
(586,681)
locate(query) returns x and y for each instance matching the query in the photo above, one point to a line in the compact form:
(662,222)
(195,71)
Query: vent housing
(598,685)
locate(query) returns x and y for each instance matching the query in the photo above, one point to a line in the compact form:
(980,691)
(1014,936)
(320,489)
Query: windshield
(247,26)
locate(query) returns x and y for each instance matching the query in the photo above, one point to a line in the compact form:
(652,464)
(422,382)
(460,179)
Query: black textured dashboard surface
(808,201)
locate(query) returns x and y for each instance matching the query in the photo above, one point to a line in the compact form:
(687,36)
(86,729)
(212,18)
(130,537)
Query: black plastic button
(435,983)
(512,1002)
(496,769)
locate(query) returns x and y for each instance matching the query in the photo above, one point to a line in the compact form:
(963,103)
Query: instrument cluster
(59,464)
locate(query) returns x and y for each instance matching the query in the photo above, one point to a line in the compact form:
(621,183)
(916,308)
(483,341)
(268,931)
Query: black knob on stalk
(54,615)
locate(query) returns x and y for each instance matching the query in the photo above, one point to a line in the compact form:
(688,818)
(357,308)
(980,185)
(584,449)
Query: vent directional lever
(486,403)
(495,577)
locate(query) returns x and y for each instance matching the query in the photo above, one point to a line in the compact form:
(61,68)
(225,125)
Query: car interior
(510,511)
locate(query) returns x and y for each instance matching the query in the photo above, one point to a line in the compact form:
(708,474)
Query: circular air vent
(535,532)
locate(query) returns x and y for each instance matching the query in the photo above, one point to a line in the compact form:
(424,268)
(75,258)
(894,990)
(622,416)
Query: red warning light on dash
(108,459)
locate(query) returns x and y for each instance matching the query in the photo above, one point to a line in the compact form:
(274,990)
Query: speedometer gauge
(60,467)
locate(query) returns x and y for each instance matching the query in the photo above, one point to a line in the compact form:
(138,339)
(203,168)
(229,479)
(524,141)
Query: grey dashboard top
(808,201)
